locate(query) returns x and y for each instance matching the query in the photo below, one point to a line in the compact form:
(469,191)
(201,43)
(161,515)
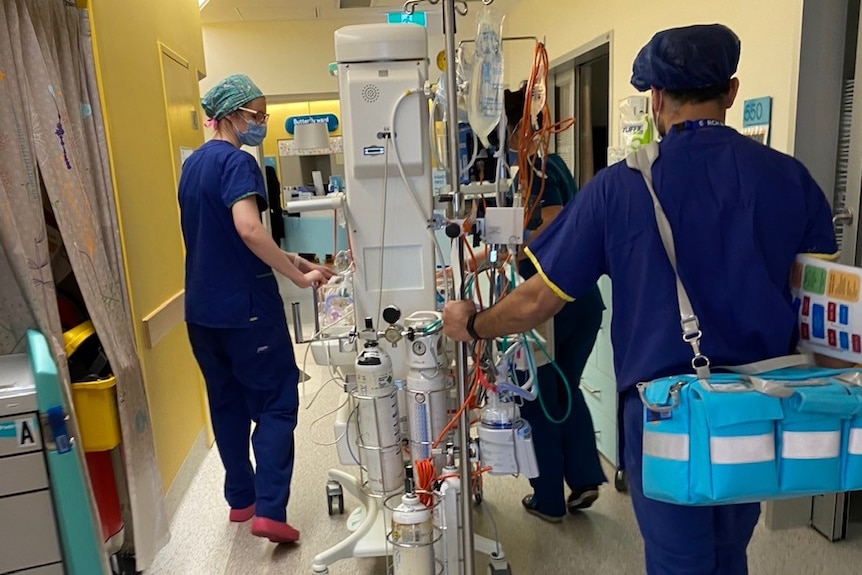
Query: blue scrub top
(560,188)
(740,213)
(227,286)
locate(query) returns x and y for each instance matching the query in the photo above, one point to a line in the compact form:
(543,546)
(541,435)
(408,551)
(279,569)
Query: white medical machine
(406,420)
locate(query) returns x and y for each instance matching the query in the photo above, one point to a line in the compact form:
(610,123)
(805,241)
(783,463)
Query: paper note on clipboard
(826,296)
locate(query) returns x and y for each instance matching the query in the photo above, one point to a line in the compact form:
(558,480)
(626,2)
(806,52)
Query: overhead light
(202,3)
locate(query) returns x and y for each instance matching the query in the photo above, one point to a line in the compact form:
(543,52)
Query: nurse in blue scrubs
(234,313)
(740,213)
(562,426)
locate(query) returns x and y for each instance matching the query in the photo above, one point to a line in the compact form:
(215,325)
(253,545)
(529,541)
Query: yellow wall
(126,37)
(292,58)
(770,58)
(281,57)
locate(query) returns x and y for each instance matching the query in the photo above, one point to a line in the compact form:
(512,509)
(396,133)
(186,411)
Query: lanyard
(696,125)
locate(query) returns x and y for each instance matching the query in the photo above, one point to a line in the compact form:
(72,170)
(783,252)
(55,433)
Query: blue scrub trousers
(566,451)
(681,540)
(251,375)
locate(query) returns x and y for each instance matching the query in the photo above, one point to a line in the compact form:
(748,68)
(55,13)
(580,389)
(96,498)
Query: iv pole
(461,350)
(452,8)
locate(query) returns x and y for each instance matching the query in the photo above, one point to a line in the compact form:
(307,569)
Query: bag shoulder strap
(642,160)
(776,363)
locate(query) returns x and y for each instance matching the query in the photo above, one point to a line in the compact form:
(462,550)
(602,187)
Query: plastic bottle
(413,537)
(485,107)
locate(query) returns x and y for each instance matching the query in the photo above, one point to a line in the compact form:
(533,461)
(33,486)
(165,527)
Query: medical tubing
(410,191)
(347,438)
(566,384)
(538,140)
(466,169)
(446,291)
(332,379)
(466,244)
(379,314)
(470,395)
(308,349)
(324,416)
(393,135)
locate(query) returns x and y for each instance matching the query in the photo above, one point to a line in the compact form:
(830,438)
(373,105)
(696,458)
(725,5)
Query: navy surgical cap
(689,58)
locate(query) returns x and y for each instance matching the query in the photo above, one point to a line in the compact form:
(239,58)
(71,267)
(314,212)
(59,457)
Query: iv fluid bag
(464,69)
(441,98)
(485,101)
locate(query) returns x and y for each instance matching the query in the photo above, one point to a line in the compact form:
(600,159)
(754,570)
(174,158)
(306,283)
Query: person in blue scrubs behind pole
(234,313)
(562,426)
(740,213)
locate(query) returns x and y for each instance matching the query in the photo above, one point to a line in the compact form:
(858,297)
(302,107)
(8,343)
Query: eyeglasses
(258,116)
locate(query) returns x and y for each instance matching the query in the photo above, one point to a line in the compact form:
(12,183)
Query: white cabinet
(599,385)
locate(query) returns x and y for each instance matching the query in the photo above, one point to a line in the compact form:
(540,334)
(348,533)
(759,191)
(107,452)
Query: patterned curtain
(52,148)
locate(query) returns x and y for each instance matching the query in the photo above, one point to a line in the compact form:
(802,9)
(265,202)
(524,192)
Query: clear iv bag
(464,57)
(441,97)
(485,101)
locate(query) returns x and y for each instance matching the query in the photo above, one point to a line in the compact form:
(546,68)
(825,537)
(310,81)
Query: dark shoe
(583,499)
(527,502)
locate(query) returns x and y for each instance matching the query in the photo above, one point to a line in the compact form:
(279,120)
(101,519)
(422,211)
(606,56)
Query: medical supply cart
(47,524)
(28,529)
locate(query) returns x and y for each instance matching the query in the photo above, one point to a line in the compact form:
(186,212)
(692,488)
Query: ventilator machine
(423,419)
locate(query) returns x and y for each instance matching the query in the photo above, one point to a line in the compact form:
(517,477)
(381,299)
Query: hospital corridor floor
(603,540)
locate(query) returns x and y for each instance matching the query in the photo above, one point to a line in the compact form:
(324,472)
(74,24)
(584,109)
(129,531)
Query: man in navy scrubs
(740,213)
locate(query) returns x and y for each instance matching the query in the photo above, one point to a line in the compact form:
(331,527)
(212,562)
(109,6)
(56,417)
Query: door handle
(590,390)
(843,217)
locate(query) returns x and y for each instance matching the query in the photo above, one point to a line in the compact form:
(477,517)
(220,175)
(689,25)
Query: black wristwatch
(471,328)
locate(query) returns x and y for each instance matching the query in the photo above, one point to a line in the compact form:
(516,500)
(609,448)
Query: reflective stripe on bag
(743,449)
(672,446)
(810,444)
(854,444)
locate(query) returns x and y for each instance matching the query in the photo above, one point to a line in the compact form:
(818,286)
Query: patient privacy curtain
(52,148)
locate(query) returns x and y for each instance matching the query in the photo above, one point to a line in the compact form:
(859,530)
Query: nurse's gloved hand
(314,278)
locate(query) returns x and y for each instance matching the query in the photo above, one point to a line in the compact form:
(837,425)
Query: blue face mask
(254,134)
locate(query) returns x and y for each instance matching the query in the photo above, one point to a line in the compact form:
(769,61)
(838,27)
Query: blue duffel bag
(851,447)
(736,438)
(773,429)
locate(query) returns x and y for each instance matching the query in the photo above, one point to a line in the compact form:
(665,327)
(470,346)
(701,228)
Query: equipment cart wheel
(507,570)
(123,564)
(478,490)
(621,481)
(334,497)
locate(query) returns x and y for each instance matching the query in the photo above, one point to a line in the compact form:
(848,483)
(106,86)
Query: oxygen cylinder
(412,538)
(379,431)
(427,383)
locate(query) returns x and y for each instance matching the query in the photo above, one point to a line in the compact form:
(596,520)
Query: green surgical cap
(228,95)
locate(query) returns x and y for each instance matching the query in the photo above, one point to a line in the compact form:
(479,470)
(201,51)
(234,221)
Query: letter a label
(26,432)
